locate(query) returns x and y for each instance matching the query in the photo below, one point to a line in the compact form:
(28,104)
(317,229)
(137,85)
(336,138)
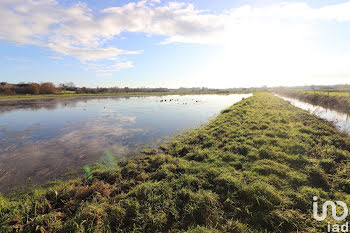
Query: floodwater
(44,139)
(339,119)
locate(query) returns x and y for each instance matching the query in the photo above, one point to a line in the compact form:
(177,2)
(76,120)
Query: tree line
(27,88)
(50,88)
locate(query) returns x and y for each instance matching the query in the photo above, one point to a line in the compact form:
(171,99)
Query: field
(338,99)
(72,94)
(255,168)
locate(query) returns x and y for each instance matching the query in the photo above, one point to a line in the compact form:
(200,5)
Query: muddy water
(44,139)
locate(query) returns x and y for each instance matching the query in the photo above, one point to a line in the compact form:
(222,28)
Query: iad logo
(322,217)
(334,210)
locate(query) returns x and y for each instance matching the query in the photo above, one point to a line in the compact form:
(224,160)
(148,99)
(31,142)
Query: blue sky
(155,43)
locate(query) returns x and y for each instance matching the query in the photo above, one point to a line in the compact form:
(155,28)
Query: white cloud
(88,53)
(79,32)
(104,74)
(123,65)
(116,67)
(67,31)
(104,70)
(17,59)
(82,33)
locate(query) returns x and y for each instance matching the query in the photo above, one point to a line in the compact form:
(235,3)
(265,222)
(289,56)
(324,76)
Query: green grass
(328,92)
(336,91)
(255,168)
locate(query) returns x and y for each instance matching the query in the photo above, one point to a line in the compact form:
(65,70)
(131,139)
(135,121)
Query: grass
(255,168)
(69,94)
(339,100)
(337,91)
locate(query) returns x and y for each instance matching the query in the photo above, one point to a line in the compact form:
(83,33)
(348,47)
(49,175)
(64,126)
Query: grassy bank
(72,95)
(338,100)
(255,168)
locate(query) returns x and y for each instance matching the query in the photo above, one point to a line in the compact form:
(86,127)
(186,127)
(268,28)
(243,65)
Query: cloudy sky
(221,43)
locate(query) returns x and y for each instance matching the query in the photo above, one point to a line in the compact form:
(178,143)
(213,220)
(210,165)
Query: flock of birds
(177,100)
(170,100)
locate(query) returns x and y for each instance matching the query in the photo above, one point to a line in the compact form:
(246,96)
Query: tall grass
(338,100)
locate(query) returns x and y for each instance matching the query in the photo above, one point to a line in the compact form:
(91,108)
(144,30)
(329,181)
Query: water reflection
(44,139)
(339,119)
(36,104)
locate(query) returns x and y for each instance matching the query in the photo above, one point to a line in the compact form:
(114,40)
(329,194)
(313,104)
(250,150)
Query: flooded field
(44,139)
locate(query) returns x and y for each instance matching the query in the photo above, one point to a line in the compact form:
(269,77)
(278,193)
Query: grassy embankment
(70,95)
(338,100)
(255,168)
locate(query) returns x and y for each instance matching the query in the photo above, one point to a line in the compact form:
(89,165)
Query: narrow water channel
(339,119)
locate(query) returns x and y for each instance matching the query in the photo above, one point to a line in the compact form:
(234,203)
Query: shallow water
(43,139)
(339,119)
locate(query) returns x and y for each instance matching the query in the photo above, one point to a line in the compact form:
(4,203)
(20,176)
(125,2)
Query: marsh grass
(255,168)
(338,100)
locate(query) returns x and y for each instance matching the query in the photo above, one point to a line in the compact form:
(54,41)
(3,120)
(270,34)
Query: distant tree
(313,88)
(9,91)
(34,88)
(115,90)
(82,90)
(47,88)
(62,86)
(70,86)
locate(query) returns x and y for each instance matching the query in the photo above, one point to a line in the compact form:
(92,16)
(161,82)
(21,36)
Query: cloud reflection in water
(44,139)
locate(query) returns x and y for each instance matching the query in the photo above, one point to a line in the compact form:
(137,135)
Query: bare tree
(47,88)
(34,88)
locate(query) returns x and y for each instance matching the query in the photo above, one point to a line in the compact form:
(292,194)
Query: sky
(184,43)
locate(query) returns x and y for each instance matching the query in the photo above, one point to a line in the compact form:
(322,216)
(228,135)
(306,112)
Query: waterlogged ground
(44,139)
(339,119)
(254,169)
